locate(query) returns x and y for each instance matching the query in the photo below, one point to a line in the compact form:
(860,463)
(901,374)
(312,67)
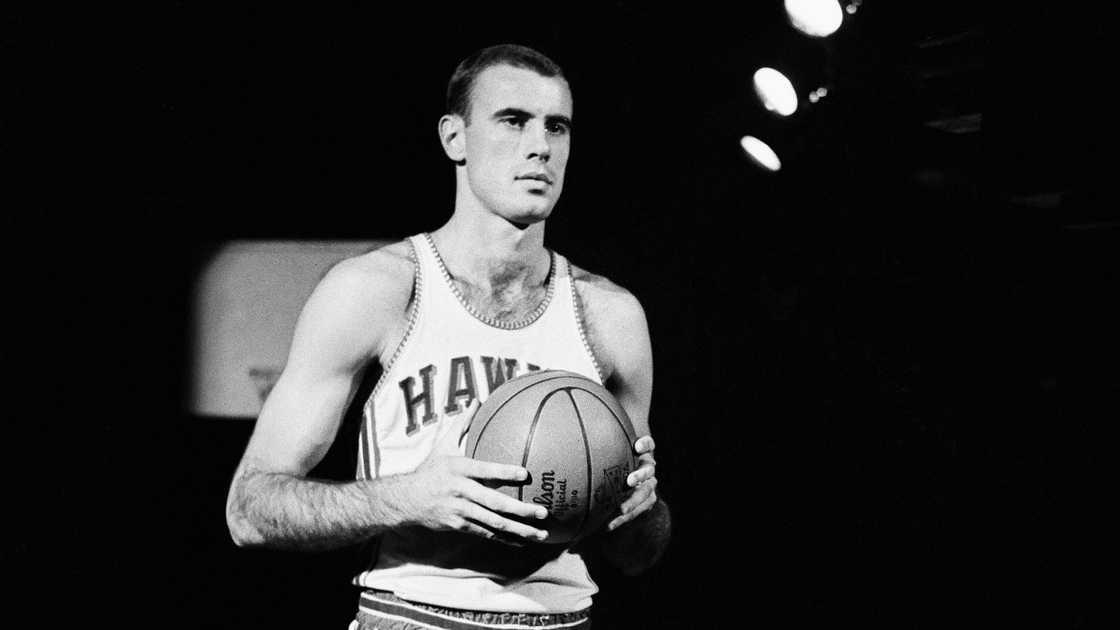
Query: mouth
(539,177)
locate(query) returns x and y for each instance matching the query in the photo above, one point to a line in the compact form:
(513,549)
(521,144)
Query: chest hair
(510,297)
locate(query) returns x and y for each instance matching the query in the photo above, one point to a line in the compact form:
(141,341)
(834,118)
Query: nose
(536,142)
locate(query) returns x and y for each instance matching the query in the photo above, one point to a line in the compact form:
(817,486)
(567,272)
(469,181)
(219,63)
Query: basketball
(572,436)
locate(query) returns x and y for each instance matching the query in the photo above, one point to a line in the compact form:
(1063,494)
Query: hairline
(466,116)
(512,55)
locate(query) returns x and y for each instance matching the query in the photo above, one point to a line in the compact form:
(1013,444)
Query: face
(516,142)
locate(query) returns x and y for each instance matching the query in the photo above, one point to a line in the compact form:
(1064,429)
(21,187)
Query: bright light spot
(761,153)
(851,9)
(823,91)
(813,98)
(775,91)
(819,18)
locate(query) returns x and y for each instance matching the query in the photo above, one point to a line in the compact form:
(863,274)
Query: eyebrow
(520,113)
(560,118)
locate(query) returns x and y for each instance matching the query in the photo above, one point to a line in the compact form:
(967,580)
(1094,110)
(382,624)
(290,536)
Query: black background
(878,371)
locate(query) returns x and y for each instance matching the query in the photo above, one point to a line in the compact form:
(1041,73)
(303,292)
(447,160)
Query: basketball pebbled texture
(572,436)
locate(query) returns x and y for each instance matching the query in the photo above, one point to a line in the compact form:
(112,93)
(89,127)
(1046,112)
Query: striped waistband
(375,605)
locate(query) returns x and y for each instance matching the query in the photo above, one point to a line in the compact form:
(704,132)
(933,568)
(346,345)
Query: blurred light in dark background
(761,153)
(775,91)
(818,18)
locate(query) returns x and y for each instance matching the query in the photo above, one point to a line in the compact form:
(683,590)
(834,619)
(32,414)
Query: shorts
(381,610)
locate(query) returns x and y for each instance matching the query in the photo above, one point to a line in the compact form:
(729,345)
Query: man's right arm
(351,318)
(287,511)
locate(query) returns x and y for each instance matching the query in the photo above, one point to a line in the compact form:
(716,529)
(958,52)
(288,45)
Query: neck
(492,254)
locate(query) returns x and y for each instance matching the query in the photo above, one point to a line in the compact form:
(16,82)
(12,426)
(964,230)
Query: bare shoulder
(615,321)
(601,294)
(385,269)
(382,275)
(366,297)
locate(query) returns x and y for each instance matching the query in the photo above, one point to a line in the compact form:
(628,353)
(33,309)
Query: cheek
(560,159)
(487,146)
(497,146)
(489,161)
(561,149)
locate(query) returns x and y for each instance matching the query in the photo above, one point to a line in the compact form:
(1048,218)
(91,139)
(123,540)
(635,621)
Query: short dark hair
(462,80)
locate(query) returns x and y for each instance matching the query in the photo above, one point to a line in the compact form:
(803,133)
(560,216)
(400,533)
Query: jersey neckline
(533,316)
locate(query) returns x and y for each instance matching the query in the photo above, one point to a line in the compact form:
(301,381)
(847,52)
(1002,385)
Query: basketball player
(450,316)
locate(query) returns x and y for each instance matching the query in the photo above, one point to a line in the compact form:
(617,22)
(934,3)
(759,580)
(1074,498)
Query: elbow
(242,533)
(241,529)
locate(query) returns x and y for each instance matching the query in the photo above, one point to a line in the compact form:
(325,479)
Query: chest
(506,304)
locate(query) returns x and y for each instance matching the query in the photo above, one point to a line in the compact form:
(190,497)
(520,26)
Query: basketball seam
(467,428)
(617,419)
(587,458)
(529,438)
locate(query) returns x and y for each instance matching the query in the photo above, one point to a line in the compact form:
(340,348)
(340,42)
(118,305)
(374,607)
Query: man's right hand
(451,493)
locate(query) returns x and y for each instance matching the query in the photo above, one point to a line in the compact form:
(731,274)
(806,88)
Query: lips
(540,177)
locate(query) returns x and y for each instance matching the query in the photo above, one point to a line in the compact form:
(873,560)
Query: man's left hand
(644,484)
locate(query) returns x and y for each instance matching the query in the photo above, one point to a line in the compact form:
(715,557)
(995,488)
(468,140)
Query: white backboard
(246,302)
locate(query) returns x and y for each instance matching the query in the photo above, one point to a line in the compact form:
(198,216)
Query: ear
(452,136)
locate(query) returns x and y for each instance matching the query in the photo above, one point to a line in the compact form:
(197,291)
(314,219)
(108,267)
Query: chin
(528,216)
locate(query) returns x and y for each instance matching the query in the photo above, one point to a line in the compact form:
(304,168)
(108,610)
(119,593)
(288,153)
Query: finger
(478,469)
(641,508)
(467,526)
(500,524)
(641,475)
(644,444)
(475,529)
(638,495)
(496,501)
(508,539)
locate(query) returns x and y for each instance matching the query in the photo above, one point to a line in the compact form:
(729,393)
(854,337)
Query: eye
(557,128)
(517,122)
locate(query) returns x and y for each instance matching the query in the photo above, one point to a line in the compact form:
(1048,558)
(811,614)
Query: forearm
(279,510)
(637,545)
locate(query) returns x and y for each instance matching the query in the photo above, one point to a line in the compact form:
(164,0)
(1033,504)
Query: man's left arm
(636,538)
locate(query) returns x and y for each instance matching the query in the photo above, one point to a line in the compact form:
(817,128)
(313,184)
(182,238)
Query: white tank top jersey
(449,357)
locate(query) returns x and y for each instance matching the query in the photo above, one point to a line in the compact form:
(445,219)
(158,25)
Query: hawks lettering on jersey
(462,387)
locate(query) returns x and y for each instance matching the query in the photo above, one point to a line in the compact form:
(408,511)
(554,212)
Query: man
(450,316)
